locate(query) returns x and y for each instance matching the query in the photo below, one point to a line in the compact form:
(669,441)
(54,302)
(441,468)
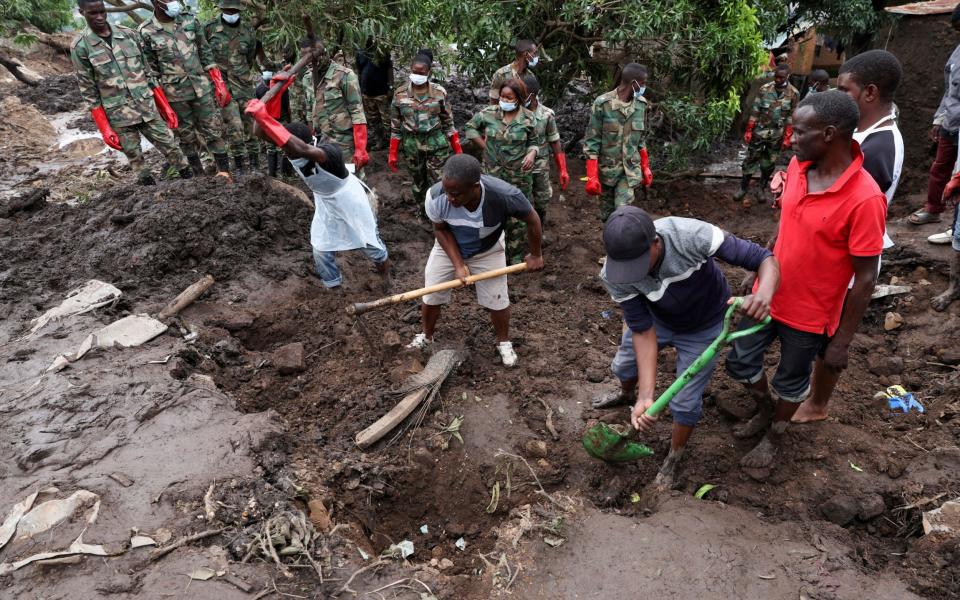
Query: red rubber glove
(392,157)
(645,168)
(787,134)
(593,178)
(952,187)
(275,104)
(749,134)
(164,108)
(110,136)
(276,132)
(360,156)
(455,143)
(219,87)
(561,159)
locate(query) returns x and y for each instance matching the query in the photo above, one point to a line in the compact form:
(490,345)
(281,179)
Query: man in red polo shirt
(831,229)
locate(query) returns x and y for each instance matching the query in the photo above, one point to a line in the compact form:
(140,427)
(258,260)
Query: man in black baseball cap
(663,275)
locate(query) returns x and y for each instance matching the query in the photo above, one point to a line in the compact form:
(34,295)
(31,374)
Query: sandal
(922,217)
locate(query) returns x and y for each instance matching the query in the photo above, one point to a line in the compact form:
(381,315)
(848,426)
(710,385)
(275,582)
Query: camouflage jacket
(114,76)
(546,124)
(301,97)
(773,110)
(419,117)
(234,49)
(506,144)
(500,77)
(338,104)
(615,136)
(178,56)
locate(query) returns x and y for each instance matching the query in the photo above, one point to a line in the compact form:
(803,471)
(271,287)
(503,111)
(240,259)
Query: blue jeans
(327,265)
(687,405)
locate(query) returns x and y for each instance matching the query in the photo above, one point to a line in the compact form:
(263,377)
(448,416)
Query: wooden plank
(387,422)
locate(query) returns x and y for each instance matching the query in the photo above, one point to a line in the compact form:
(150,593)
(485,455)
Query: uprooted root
(289,536)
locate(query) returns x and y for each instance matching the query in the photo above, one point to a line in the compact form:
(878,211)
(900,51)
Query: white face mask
(173,9)
(416,79)
(533,60)
(529,101)
(508,106)
(231,19)
(638,92)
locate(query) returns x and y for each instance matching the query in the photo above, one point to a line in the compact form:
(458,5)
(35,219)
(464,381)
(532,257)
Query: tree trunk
(121,6)
(17,68)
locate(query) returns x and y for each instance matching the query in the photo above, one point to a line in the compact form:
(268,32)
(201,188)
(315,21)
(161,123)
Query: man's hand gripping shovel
(606,443)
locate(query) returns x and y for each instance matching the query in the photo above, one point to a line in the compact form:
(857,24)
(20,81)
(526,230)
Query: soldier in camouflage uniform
(302,99)
(234,46)
(421,129)
(546,124)
(338,108)
(508,136)
(768,130)
(615,147)
(123,100)
(526,57)
(178,54)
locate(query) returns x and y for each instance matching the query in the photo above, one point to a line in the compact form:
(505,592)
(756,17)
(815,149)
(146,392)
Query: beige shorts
(491,293)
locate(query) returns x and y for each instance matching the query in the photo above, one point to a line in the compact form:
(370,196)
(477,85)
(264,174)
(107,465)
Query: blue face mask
(173,9)
(508,106)
(231,19)
(532,61)
(638,92)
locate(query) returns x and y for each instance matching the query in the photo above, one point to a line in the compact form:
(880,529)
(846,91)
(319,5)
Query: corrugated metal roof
(932,7)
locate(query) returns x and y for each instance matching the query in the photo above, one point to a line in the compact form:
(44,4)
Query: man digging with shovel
(663,275)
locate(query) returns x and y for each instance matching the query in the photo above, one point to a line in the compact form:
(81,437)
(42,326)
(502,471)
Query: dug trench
(483,466)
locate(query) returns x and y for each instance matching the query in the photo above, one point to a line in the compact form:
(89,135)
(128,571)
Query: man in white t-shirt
(468,211)
(871,79)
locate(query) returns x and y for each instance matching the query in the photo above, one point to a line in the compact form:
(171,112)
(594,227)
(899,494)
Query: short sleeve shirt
(819,233)
(478,230)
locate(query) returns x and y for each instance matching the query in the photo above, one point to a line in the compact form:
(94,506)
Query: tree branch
(117,6)
(18,70)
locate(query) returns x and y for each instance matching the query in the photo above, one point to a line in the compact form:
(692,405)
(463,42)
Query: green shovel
(607,443)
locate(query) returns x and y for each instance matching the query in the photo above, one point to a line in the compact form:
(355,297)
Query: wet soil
(54,94)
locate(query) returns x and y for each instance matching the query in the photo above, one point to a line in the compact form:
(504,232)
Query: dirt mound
(55,94)
(144,238)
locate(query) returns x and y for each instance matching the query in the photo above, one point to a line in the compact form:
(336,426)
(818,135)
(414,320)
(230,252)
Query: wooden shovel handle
(274,90)
(361,307)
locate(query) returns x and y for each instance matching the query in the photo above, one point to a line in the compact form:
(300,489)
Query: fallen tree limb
(186,297)
(19,70)
(161,552)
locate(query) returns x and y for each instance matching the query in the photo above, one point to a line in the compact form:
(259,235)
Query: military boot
(272,160)
(254,162)
(145,177)
(238,165)
(195,164)
(223,163)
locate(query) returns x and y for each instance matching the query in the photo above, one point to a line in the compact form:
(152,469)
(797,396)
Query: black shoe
(195,164)
(254,162)
(145,177)
(238,166)
(272,160)
(223,163)
(186,173)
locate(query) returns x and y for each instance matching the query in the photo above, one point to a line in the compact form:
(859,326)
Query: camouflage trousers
(542,192)
(424,166)
(614,196)
(516,230)
(762,154)
(159,135)
(199,121)
(377,110)
(238,128)
(345,141)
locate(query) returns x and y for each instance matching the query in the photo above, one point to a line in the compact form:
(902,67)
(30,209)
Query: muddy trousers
(377,111)
(940,172)
(516,230)
(326,263)
(761,155)
(156,131)
(542,192)
(615,195)
(200,121)
(426,168)
(238,129)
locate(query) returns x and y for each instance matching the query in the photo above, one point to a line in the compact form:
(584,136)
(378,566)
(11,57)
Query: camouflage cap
(230,4)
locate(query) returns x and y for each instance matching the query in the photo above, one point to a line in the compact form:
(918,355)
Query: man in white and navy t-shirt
(468,211)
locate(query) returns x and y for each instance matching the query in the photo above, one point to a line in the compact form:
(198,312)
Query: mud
(54,94)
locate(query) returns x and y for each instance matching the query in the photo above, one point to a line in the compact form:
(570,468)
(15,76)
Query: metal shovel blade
(606,443)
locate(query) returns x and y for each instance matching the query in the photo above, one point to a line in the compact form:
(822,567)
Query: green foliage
(46,15)
(847,20)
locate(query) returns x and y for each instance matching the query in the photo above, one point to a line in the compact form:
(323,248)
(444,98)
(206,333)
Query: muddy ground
(202,418)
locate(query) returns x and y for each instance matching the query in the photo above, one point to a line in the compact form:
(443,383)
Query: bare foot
(941,302)
(808,413)
(761,457)
(668,471)
(755,425)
